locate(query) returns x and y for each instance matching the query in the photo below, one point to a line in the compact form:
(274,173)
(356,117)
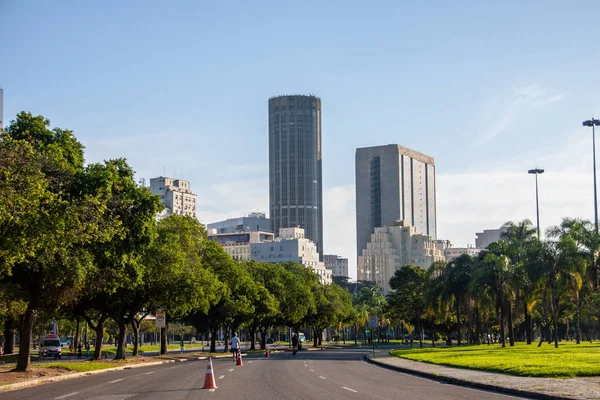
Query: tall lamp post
(536,172)
(594,122)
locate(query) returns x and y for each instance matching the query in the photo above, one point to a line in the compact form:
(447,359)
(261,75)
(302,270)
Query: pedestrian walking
(79,347)
(235,345)
(181,344)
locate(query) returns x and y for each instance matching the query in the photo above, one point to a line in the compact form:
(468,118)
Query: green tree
(58,225)
(407,298)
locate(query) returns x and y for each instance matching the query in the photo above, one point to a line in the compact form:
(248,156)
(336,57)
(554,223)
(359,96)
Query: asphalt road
(319,375)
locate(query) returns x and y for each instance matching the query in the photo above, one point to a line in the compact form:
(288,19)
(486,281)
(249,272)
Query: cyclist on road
(235,345)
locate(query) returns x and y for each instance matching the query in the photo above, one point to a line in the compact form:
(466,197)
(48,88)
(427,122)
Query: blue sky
(489,89)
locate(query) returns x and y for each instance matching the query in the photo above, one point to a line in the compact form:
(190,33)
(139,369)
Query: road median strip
(466,382)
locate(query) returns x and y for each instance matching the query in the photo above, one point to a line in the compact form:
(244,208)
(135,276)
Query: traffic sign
(372,321)
(160,319)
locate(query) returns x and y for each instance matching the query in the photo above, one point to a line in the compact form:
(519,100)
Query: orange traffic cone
(209,379)
(239,359)
(267,355)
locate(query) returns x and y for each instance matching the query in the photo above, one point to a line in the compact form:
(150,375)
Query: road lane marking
(312,370)
(116,380)
(174,367)
(322,377)
(305,365)
(249,362)
(222,376)
(66,395)
(351,390)
(211,390)
(231,369)
(149,373)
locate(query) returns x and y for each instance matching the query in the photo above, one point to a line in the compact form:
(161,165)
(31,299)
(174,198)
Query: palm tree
(458,274)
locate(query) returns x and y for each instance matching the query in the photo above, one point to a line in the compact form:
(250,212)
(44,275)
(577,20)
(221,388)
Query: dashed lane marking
(149,373)
(66,395)
(249,362)
(350,390)
(174,367)
(116,380)
(232,369)
(222,376)
(322,377)
(211,390)
(312,370)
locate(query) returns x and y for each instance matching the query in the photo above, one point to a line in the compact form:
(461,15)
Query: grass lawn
(568,361)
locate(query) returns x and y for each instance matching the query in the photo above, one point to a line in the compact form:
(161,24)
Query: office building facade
(248,223)
(292,246)
(393,183)
(175,194)
(295,166)
(237,244)
(488,236)
(390,248)
(337,264)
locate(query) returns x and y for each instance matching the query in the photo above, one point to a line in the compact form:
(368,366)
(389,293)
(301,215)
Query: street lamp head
(536,171)
(591,122)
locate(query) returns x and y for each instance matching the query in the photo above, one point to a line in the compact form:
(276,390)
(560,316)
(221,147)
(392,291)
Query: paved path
(576,388)
(319,375)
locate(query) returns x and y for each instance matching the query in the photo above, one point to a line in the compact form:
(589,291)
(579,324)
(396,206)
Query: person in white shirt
(235,345)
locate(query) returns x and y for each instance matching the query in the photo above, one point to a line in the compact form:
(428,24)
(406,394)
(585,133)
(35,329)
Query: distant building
(453,252)
(237,244)
(393,183)
(392,247)
(488,236)
(291,246)
(176,196)
(249,223)
(337,264)
(295,163)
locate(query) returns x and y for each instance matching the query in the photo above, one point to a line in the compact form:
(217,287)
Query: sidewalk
(539,388)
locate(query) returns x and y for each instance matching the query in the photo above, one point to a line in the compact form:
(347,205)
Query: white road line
(149,373)
(211,390)
(249,362)
(312,370)
(116,380)
(174,367)
(67,395)
(305,365)
(351,390)
(322,377)
(232,369)
(222,376)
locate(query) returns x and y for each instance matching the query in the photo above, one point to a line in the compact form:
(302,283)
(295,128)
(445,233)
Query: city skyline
(489,90)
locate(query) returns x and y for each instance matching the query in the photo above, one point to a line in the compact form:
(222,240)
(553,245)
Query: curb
(463,382)
(67,376)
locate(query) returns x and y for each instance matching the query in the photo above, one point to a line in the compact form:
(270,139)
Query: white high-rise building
(291,246)
(390,248)
(176,196)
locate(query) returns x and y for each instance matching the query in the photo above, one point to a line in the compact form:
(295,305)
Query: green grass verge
(569,360)
(84,366)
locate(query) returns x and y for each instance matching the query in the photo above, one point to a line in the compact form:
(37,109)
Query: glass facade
(295,177)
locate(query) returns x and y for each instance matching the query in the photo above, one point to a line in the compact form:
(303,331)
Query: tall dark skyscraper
(295,178)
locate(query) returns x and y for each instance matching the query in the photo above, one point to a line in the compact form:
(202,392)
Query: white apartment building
(337,264)
(392,247)
(451,253)
(291,246)
(237,244)
(488,236)
(176,196)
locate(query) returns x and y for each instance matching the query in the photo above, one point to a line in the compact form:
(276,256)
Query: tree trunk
(578,319)
(163,340)
(135,326)
(252,338)
(528,327)
(9,335)
(213,340)
(24,357)
(121,337)
(511,330)
(355,335)
(554,312)
(502,335)
(457,320)
(421,334)
(226,341)
(263,339)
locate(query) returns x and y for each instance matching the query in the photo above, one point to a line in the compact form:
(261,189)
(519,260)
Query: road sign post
(160,322)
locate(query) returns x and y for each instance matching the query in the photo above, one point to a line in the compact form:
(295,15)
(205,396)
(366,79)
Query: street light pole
(593,123)
(536,172)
